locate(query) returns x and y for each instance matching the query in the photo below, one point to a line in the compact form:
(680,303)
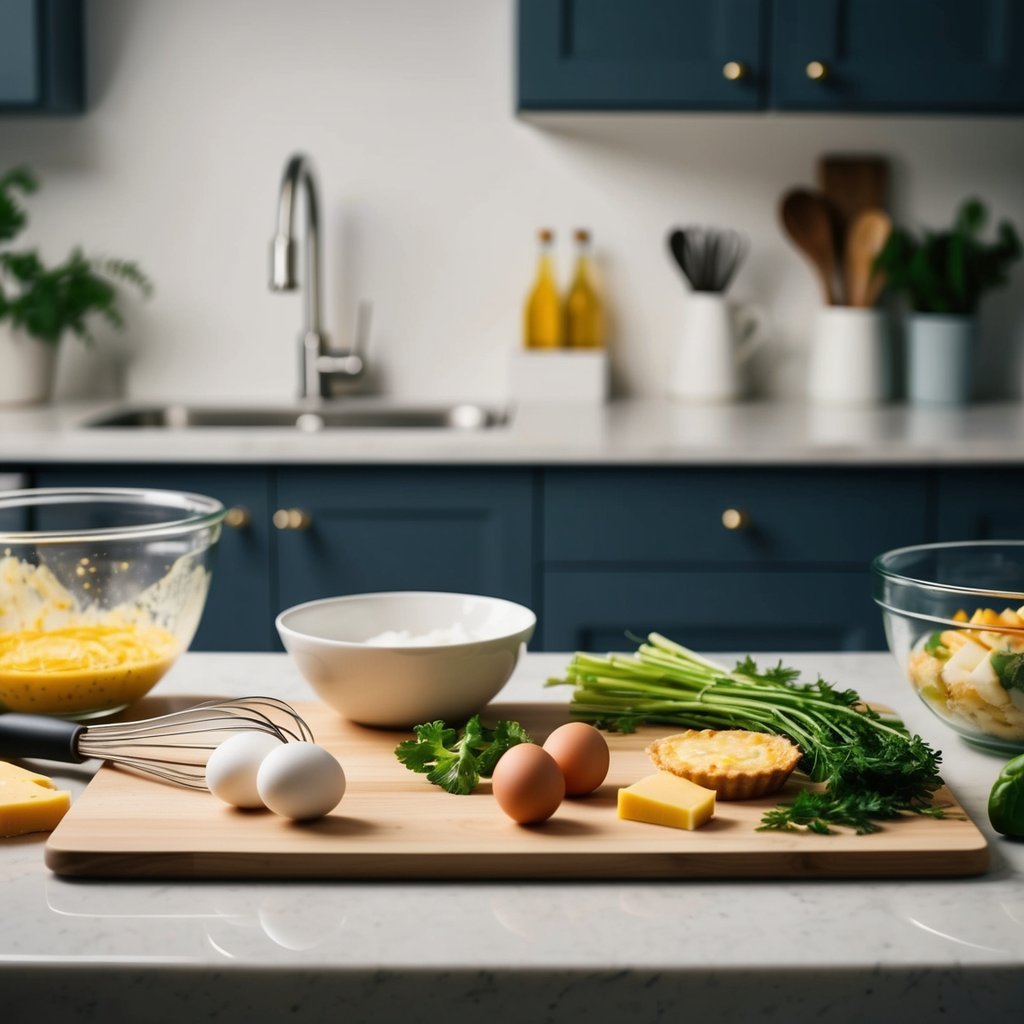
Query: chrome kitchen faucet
(319,365)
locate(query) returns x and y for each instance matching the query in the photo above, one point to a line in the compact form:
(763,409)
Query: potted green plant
(40,304)
(943,275)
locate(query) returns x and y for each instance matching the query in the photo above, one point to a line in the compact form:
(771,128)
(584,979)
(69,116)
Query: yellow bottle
(583,326)
(543,314)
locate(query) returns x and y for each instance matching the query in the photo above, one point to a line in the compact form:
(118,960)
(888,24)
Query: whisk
(708,257)
(172,747)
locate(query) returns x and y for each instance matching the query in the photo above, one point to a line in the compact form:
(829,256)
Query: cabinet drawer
(981,504)
(794,516)
(720,610)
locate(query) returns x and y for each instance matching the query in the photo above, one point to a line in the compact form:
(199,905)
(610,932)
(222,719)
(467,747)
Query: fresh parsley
(457,762)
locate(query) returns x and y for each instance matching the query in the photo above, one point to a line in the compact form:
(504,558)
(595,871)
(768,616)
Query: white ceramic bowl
(398,685)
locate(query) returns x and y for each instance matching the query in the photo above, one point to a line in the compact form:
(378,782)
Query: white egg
(232,767)
(300,781)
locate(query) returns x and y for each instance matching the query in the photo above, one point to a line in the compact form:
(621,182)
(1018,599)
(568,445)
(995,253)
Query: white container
(851,357)
(26,367)
(559,375)
(715,343)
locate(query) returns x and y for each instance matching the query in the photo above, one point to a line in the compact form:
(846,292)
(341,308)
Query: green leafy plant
(44,301)
(949,271)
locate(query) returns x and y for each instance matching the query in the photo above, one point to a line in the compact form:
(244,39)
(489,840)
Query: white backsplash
(431,192)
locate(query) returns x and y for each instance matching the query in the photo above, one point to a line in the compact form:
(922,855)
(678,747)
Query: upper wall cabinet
(641,54)
(898,55)
(828,55)
(41,57)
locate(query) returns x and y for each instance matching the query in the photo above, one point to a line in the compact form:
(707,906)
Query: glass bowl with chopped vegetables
(954,619)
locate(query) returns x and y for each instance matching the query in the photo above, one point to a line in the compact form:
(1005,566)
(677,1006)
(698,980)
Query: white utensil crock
(717,339)
(850,357)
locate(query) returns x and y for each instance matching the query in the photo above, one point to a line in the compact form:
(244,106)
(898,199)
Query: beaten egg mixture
(57,657)
(82,667)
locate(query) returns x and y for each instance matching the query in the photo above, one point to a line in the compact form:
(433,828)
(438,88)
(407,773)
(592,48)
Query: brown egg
(581,752)
(528,784)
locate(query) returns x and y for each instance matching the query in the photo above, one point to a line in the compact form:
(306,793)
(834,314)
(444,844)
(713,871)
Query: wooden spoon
(808,219)
(868,234)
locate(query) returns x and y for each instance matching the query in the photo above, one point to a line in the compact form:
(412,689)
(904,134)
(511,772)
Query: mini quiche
(736,764)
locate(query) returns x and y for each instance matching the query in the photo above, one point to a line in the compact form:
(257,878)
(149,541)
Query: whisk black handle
(39,736)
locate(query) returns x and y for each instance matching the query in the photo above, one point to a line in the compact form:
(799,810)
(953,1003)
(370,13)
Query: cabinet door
(927,55)
(642,55)
(665,517)
(460,530)
(41,56)
(721,610)
(237,616)
(981,504)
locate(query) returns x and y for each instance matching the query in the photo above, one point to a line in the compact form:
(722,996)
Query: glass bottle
(583,327)
(543,315)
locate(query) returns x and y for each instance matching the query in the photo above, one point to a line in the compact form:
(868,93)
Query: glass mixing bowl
(954,619)
(100,591)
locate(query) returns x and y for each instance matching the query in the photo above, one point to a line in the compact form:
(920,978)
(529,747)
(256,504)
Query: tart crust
(736,764)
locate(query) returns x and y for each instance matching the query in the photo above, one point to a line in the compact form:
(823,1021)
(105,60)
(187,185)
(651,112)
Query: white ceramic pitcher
(717,340)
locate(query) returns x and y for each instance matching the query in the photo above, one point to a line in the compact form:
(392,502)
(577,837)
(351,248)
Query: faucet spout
(298,173)
(319,365)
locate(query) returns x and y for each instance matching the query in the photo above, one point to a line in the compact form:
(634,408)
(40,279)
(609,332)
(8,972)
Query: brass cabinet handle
(237,517)
(817,70)
(292,519)
(735,70)
(735,519)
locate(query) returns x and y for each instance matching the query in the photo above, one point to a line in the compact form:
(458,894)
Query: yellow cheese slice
(29,802)
(667,799)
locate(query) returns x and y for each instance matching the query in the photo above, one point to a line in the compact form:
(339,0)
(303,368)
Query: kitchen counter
(643,432)
(598,951)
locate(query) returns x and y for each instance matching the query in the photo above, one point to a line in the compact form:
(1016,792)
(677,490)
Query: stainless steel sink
(349,416)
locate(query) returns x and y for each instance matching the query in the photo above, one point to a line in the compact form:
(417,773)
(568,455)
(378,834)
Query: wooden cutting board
(394,824)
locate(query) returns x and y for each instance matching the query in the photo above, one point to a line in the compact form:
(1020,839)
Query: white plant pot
(27,368)
(940,352)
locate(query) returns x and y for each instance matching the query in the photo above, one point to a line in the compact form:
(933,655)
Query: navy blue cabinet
(980,504)
(722,559)
(354,530)
(238,614)
(827,55)
(641,55)
(909,55)
(42,59)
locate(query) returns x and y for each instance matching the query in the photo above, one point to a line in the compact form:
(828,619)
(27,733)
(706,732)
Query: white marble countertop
(601,951)
(652,432)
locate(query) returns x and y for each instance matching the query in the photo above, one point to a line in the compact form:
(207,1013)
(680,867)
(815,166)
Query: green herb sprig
(457,762)
(873,770)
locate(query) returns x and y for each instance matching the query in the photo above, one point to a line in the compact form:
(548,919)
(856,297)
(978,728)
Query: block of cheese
(29,802)
(667,799)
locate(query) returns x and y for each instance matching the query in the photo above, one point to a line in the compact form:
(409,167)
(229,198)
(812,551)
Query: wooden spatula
(865,238)
(808,220)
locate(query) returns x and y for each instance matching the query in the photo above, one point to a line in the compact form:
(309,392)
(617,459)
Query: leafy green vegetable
(935,647)
(872,769)
(457,763)
(1009,667)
